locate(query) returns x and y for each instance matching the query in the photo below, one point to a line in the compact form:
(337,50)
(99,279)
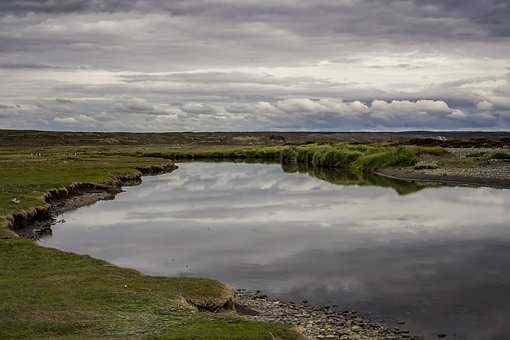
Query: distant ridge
(50,138)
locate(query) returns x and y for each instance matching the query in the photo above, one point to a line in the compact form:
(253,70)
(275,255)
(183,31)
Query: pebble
(317,322)
(495,170)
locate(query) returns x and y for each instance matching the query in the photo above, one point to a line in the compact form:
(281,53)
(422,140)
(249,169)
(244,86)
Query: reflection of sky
(437,258)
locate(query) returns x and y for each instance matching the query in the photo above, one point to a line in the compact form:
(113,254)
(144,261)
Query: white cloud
(266,107)
(484,106)
(85,119)
(134,104)
(65,120)
(418,110)
(300,105)
(307,105)
(198,109)
(80,119)
(407,106)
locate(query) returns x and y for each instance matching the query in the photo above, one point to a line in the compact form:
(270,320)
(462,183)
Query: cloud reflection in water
(437,258)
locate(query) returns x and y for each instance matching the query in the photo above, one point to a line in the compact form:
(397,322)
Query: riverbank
(47,293)
(316,322)
(487,167)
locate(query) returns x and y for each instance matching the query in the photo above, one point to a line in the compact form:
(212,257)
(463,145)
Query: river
(437,259)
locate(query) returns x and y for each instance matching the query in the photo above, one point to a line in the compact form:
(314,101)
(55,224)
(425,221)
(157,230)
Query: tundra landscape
(51,293)
(244,170)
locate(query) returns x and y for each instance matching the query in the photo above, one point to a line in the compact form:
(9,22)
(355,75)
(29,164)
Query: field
(53,294)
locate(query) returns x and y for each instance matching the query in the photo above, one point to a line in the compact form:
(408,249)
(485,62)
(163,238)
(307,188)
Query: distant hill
(51,138)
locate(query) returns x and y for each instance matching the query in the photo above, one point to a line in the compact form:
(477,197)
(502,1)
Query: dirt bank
(37,221)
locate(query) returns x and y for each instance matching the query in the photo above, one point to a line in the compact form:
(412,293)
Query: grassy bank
(53,294)
(352,158)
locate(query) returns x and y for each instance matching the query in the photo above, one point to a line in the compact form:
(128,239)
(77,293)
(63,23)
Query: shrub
(400,156)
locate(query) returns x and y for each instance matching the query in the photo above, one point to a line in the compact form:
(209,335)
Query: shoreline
(448,180)
(313,322)
(37,222)
(77,195)
(316,321)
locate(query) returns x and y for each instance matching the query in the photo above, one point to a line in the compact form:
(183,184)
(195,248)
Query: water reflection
(347,178)
(437,259)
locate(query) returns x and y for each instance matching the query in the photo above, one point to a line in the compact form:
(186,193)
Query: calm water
(438,258)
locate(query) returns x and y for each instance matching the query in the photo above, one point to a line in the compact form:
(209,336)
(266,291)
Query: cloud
(63,100)
(33,66)
(62,6)
(65,120)
(484,106)
(80,119)
(85,118)
(6,106)
(198,109)
(407,106)
(247,65)
(234,77)
(489,15)
(321,105)
(133,104)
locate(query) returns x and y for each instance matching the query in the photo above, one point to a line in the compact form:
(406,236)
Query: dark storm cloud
(33,66)
(196,32)
(227,64)
(492,14)
(315,17)
(63,6)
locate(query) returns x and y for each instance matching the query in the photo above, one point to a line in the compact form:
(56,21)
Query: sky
(247,65)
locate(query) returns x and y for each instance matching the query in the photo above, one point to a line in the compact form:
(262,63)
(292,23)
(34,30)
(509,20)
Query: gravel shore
(316,322)
(464,166)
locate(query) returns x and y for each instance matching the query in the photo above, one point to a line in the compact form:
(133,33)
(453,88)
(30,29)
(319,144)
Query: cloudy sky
(173,65)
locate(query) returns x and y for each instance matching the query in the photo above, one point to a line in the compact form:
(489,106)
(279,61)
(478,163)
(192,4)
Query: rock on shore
(315,322)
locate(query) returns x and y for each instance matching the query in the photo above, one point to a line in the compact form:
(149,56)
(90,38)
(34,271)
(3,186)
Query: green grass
(216,328)
(357,159)
(47,293)
(255,153)
(53,294)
